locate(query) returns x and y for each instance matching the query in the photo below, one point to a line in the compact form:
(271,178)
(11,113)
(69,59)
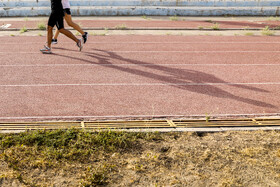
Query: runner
(56,18)
(68,19)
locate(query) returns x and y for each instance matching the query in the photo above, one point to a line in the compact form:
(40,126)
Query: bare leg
(50,35)
(69,34)
(56,34)
(69,21)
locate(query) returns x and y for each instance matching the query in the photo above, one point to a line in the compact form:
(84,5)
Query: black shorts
(67,11)
(56,19)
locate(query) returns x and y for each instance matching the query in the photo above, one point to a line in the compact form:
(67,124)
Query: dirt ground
(160,159)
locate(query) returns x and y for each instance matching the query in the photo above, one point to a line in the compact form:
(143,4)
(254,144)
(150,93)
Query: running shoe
(54,41)
(46,50)
(85,37)
(80,44)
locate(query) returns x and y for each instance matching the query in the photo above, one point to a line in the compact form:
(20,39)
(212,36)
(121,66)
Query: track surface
(139,76)
(152,24)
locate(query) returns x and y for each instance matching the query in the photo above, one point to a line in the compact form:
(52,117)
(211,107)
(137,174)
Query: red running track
(139,77)
(152,24)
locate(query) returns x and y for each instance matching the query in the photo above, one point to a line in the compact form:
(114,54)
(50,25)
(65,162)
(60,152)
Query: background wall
(10,8)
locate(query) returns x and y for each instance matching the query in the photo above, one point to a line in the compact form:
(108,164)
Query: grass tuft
(267,32)
(145,17)
(200,27)
(249,34)
(174,18)
(41,26)
(23,30)
(97,176)
(121,27)
(273,18)
(216,26)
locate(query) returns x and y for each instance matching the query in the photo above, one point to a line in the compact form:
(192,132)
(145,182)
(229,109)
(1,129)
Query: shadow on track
(173,76)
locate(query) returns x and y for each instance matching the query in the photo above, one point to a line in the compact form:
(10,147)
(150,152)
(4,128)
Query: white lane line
(139,84)
(69,65)
(106,51)
(139,116)
(117,43)
(5,26)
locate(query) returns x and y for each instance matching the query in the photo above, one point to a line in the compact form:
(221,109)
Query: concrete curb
(149,29)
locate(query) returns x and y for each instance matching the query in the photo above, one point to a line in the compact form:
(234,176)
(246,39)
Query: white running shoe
(46,50)
(80,44)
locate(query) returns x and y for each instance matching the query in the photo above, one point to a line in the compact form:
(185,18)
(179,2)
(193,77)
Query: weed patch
(121,27)
(97,176)
(113,158)
(267,32)
(249,34)
(145,17)
(23,30)
(174,18)
(41,26)
(216,26)
(273,18)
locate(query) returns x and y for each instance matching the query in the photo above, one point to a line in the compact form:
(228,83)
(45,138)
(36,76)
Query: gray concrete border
(145,10)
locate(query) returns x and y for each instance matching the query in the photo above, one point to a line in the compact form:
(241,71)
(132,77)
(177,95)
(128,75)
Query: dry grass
(249,34)
(267,32)
(121,27)
(41,26)
(216,26)
(77,158)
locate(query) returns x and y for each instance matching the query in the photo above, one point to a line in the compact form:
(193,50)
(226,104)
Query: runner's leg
(50,35)
(69,34)
(56,34)
(69,21)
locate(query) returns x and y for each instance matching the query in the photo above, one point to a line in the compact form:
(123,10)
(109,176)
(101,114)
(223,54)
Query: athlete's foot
(80,44)
(54,41)
(85,37)
(46,50)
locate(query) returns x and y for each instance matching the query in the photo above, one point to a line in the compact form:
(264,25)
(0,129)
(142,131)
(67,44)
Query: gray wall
(13,8)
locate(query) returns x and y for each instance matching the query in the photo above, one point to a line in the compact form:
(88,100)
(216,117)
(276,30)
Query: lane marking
(5,26)
(63,65)
(139,116)
(117,43)
(66,52)
(139,84)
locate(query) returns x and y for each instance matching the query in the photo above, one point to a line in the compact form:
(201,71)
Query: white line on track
(69,65)
(105,51)
(152,43)
(133,116)
(139,84)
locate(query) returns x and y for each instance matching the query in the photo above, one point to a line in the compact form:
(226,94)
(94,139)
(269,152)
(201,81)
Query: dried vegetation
(80,158)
